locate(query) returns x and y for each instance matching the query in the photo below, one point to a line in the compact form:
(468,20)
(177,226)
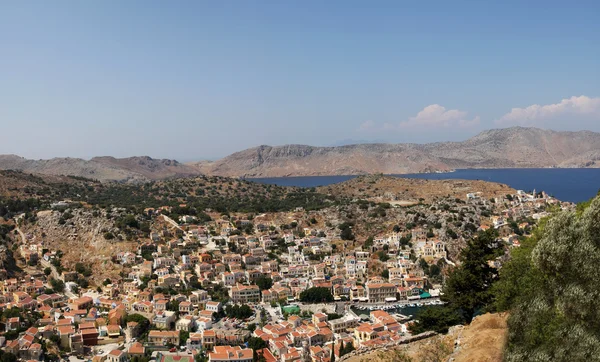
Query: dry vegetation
(391,189)
(81,240)
(481,341)
(24,185)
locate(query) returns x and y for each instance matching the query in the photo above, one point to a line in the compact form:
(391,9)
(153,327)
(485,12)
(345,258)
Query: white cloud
(432,116)
(574,107)
(438,116)
(367,126)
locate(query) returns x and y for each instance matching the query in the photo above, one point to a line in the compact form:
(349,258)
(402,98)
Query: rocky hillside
(406,191)
(101,168)
(81,236)
(481,341)
(501,148)
(19,184)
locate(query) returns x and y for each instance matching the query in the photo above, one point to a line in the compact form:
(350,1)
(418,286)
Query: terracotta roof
(230,353)
(116,353)
(136,348)
(69,329)
(168,334)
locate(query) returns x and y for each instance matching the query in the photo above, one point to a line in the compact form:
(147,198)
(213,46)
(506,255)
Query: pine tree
(468,287)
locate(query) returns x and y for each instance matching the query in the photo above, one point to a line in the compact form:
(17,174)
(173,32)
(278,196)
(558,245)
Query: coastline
(319,174)
(566,184)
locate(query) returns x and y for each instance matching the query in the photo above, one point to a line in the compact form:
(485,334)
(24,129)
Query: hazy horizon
(340,143)
(199,80)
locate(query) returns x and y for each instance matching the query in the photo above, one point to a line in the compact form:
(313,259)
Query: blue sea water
(566,184)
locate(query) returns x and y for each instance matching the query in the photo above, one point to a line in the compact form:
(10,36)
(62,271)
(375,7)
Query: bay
(566,184)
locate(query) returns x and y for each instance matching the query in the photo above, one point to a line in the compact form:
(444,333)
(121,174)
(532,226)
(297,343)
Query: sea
(566,184)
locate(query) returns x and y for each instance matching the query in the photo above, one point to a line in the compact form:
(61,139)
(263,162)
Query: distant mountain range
(515,147)
(102,168)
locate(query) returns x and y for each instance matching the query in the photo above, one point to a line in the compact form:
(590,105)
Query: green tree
(264,282)
(518,275)
(468,286)
(58,285)
(346,234)
(345,349)
(369,242)
(256,343)
(383,256)
(424,265)
(143,322)
(316,295)
(437,319)
(333,316)
(183,337)
(8,357)
(556,317)
(173,306)
(238,311)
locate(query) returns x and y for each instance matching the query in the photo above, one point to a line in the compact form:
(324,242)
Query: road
(54,273)
(340,307)
(23,238)
(172,222)
(402,303)
(449,262)
(274,314)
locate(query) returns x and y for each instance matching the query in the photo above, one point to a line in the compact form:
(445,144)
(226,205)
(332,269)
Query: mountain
(516,147)
(499,148)
(102,168)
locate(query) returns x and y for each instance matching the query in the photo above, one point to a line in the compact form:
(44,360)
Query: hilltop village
(182,284)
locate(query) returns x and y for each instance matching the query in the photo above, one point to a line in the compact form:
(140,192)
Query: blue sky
(193,80)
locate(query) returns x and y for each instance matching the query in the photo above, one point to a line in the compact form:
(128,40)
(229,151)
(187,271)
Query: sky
(195,80)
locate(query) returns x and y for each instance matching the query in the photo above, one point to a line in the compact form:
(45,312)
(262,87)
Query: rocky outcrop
(515,147)
(405,340)
(81,238)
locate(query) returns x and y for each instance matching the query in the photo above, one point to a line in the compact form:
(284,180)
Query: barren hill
(501,148)
(23,185)
(405,190)
(101,168)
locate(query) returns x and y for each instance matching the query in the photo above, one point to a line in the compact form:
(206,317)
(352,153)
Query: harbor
(402,311)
